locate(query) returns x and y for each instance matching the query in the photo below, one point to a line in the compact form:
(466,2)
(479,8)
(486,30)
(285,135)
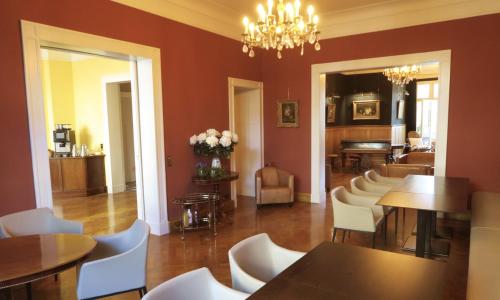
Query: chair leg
(343,236)
(144,290)
(334,234)
(140,293)
(396,214)
(373,240)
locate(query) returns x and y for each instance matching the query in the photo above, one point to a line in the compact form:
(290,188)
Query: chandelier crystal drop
(280,27)
(402,75)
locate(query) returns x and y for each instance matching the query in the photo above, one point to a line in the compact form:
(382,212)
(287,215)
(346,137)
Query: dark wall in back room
(374,86)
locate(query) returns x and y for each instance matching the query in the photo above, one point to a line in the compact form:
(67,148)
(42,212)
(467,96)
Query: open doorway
(319,108)
(372,119)
(246,118)
(89,131)
(145,77)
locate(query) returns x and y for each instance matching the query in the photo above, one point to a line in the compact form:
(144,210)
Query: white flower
(212,141)
(193,140)
(227,133)
(201,137)
(225,141)
(235,138)
(212,132)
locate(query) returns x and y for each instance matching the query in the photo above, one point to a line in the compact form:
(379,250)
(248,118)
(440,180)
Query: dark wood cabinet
(77,176)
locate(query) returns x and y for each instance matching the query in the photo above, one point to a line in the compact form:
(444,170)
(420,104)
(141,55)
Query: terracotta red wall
(474,112)
(195,67)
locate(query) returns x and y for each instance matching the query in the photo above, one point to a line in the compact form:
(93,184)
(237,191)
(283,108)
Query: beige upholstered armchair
(273,185)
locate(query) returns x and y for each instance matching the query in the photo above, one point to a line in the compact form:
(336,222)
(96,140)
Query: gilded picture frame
(366,110)
(330,113)
(288,113)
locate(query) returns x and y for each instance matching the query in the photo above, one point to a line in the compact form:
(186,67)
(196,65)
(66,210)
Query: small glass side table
(209,220)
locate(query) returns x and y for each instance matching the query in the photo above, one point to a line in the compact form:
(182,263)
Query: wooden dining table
(428,195)
(25,259)
(341,271)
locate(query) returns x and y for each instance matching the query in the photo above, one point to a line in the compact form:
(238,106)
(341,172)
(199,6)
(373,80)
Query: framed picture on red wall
(288,113)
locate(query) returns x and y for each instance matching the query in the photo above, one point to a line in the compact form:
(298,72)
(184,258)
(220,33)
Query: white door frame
(234,83)
(110,182)
(318,72)
(147,90)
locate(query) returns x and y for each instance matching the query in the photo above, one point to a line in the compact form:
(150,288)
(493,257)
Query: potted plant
(213,144)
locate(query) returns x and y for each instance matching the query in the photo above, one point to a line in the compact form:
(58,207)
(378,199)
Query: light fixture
(402,75)
(279,27)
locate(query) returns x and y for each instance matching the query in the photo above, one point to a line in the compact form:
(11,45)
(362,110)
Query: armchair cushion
(276,194)
(270,176)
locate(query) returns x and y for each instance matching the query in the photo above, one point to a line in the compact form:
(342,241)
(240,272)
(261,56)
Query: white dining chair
(256,260)
(198,284)
(360,186)
(355,212)
(374,177)
(36,221)
(117,265)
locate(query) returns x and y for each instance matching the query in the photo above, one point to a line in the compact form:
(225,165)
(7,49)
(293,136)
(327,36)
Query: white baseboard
(117,188)
(159,228)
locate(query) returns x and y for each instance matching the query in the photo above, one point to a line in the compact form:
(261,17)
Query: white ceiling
(249,6)
(337,17)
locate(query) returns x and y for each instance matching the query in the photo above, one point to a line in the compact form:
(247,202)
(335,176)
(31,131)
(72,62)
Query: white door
(247,125)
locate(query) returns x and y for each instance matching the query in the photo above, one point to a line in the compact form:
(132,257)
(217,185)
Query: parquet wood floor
(300,227)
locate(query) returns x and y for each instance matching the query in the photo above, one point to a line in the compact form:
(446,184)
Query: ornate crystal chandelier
(279,27)
(402,75)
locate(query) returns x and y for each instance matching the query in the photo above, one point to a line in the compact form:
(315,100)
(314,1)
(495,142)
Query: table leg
(214,214)
(28,291)
(422,220)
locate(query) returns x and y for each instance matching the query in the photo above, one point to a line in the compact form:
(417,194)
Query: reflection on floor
(100,214)
(300,227)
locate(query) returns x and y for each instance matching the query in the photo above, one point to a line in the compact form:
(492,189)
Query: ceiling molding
(211,16)
(398,14)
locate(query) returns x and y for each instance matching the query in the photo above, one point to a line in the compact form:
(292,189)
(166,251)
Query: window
(427,106)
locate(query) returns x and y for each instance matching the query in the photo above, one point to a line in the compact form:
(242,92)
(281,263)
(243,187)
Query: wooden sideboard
(77,176)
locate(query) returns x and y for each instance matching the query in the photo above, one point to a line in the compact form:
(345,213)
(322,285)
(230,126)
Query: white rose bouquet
(212,142)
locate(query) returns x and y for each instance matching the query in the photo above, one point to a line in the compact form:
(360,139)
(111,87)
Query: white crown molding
(211,16)
(207,14)
(398,14)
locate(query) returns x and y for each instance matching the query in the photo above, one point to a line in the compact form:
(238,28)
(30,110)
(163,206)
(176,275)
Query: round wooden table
(28,258)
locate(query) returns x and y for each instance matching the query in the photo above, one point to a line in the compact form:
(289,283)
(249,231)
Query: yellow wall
(58,92)
(73,94)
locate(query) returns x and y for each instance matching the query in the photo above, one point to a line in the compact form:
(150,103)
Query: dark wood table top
(340,271)
(209,180)
(433,193)
(27,258)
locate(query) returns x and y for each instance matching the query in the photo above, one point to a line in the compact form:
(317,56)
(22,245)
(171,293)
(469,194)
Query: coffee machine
(64,139)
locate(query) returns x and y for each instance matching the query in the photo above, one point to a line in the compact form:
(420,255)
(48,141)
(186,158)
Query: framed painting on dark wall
(366,110)
(288,114)
(401,109)
(330,113)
